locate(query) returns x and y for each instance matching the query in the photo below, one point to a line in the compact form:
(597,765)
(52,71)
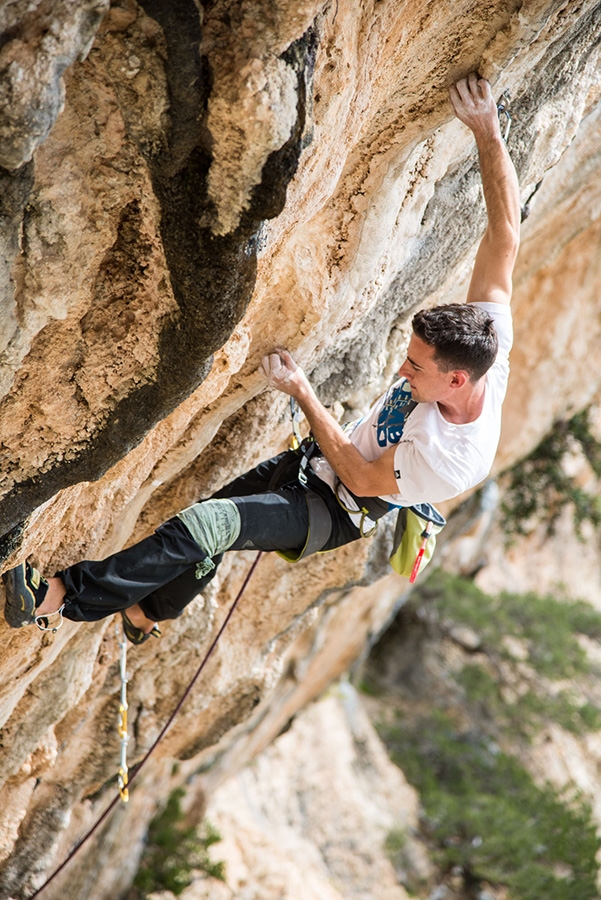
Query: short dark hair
(463,336)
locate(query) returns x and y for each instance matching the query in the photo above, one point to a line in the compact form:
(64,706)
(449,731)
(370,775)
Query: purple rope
(161,734)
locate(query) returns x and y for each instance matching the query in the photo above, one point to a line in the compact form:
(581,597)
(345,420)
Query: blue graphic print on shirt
(393,415)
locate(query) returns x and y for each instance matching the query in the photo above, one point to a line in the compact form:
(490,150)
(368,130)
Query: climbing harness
(295,413)
(123,776)
(416,526)
(161,734)
(363,510)
(372,508)
(503,111)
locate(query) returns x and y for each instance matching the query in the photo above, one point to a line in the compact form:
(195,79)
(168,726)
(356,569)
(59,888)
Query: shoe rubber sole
(134,634)
(19,609)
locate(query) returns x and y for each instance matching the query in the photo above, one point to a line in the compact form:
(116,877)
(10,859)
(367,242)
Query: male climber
(430,437)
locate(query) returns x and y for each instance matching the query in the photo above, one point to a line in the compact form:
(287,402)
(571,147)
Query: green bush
(484,813)
(549,626)
(174,851)
(548,629)
(539,488)
(530,711)
(481,809)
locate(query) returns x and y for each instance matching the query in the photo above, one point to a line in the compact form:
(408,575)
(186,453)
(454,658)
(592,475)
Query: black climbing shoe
(25,591)
(134,634)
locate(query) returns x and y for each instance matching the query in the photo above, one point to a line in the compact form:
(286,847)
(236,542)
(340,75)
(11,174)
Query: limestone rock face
(204,183)
(40,40)
(310,816)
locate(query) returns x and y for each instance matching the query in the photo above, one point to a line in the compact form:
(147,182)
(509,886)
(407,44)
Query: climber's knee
(214,524)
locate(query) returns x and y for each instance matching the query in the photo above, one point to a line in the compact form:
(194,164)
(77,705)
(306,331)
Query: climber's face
(428,383)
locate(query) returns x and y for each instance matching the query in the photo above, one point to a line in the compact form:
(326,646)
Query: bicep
(376,478)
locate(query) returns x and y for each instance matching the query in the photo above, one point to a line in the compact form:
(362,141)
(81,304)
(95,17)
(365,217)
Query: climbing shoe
(25,591)
(134,634)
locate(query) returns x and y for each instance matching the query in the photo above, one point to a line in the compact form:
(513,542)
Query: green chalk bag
(415,538)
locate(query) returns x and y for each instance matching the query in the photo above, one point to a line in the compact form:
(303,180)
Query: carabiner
(503,110)
(295,413)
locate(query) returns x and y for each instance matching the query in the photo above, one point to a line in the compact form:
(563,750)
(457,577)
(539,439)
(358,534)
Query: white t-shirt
(435,460)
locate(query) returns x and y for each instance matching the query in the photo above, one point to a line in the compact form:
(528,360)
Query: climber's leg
(276,520)
(92,590)
(157,578)
(168,601)
(95,589)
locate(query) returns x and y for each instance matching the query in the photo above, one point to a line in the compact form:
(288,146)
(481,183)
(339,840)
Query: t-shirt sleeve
(501,315)
(498,374)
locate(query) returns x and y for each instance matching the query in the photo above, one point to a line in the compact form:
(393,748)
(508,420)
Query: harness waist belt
(374,507)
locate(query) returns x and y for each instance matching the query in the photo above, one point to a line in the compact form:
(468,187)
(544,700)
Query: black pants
(159,572)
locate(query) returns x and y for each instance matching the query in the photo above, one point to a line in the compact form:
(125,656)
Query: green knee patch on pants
(214,525)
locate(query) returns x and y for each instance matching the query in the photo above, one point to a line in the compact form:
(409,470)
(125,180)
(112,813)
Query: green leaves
(175,851)
(485,814)
(541,485)
(482,812)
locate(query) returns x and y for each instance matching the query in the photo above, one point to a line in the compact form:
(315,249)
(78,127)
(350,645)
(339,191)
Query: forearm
(348,463)
(500,187)
(491,280)
(363,477)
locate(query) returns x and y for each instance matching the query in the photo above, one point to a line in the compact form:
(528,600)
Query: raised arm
(474,105)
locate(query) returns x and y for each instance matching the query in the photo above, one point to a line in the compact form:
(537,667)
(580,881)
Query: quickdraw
(503,110)
(159,737)
(295,413)
(123,777)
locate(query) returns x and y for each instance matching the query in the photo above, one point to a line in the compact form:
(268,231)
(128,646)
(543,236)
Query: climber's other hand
(283,373)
